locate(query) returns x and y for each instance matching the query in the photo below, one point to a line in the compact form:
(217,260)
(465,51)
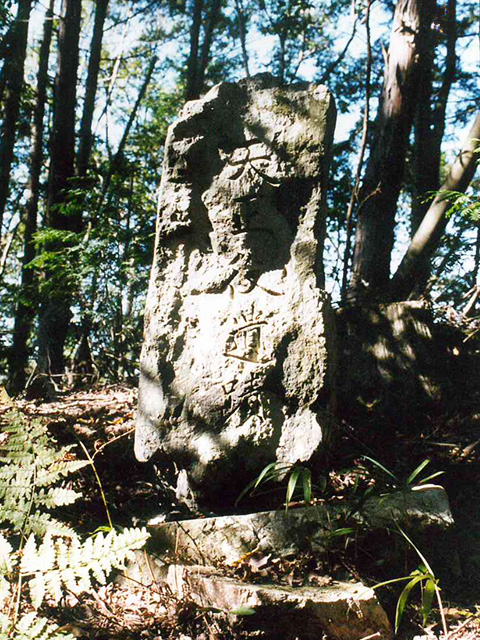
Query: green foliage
(275,472)
(31,470)
(58,564)
(54,559)
(465,205)
(422,576)
(32,627)
(412,480)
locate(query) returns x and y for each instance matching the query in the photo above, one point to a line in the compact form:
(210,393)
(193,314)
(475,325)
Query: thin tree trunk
(385,169)
(82,364)
(433,225)
(12,73)
(207,44)
(56,314)
(242,34)
(117,158)
(363,145)
(85,144)
(191,85)
(26,306)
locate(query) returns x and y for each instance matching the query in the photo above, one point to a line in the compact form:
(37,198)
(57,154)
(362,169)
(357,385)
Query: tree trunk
(26,306)
(385,169)
(117,158)
(429,129)
(13,71)
(191,84)
(242,34)
(85,144)
(55,312)
(212,21)
(199,56)
(433,224)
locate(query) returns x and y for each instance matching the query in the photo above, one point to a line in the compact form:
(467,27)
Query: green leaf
(243,611)
(271,471)
(292,483)
(419,553)
(417,471)
(307,486)
(402,600)
(427,598)
(431,477)
(382,468)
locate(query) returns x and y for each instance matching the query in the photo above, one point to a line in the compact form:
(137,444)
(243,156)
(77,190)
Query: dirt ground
(102,419)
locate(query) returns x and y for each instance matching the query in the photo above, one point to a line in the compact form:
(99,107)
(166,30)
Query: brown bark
(199,55)
(385,169)
(242,34)
(191,84)
(429,130)
(12,74)
(85,144)
(55,313)
(435,220)
(26,306)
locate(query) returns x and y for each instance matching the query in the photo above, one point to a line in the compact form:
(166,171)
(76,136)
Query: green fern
(31,467)
(54,558)
(31,627)
(57,564)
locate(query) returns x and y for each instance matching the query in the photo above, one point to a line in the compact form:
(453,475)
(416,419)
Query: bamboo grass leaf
(417,471)
(402,600)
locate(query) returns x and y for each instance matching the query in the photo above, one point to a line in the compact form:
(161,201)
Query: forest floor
(102,419)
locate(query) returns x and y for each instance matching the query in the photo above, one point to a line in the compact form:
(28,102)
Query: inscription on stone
(248,341)
(238,344)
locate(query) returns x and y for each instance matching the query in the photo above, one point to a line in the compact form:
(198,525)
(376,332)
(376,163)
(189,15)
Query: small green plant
(275,472)
(423,576)
(410,481)
(40,557)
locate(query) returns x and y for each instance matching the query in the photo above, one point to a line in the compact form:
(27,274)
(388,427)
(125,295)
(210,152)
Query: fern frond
(57,470)
(57,497)
(31,627)
(58,563)
(5,591)
(41,523)
(29,478)
(7,559)
(32,468)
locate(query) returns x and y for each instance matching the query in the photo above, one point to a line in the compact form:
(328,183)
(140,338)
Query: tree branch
(433,224)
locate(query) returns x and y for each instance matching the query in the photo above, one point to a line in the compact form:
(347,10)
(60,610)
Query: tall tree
(85,134)
(410,43)
(429,127)
(25,310)
(12,78)
(55,312)
(200,50)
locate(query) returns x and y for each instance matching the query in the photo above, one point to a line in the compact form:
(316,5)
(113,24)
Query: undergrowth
(42,558)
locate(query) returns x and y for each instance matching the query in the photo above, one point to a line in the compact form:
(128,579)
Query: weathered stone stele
(238,356)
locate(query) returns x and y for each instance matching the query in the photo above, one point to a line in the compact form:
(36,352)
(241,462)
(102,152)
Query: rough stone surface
(224,540)
(342,610)
(423,506)
(238,355)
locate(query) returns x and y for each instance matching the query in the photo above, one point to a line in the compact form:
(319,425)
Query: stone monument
(238,360)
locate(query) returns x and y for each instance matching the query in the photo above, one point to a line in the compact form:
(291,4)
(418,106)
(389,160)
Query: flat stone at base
(342,610)
(222,540)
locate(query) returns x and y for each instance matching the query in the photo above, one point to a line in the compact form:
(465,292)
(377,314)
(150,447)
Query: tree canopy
(88,90)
